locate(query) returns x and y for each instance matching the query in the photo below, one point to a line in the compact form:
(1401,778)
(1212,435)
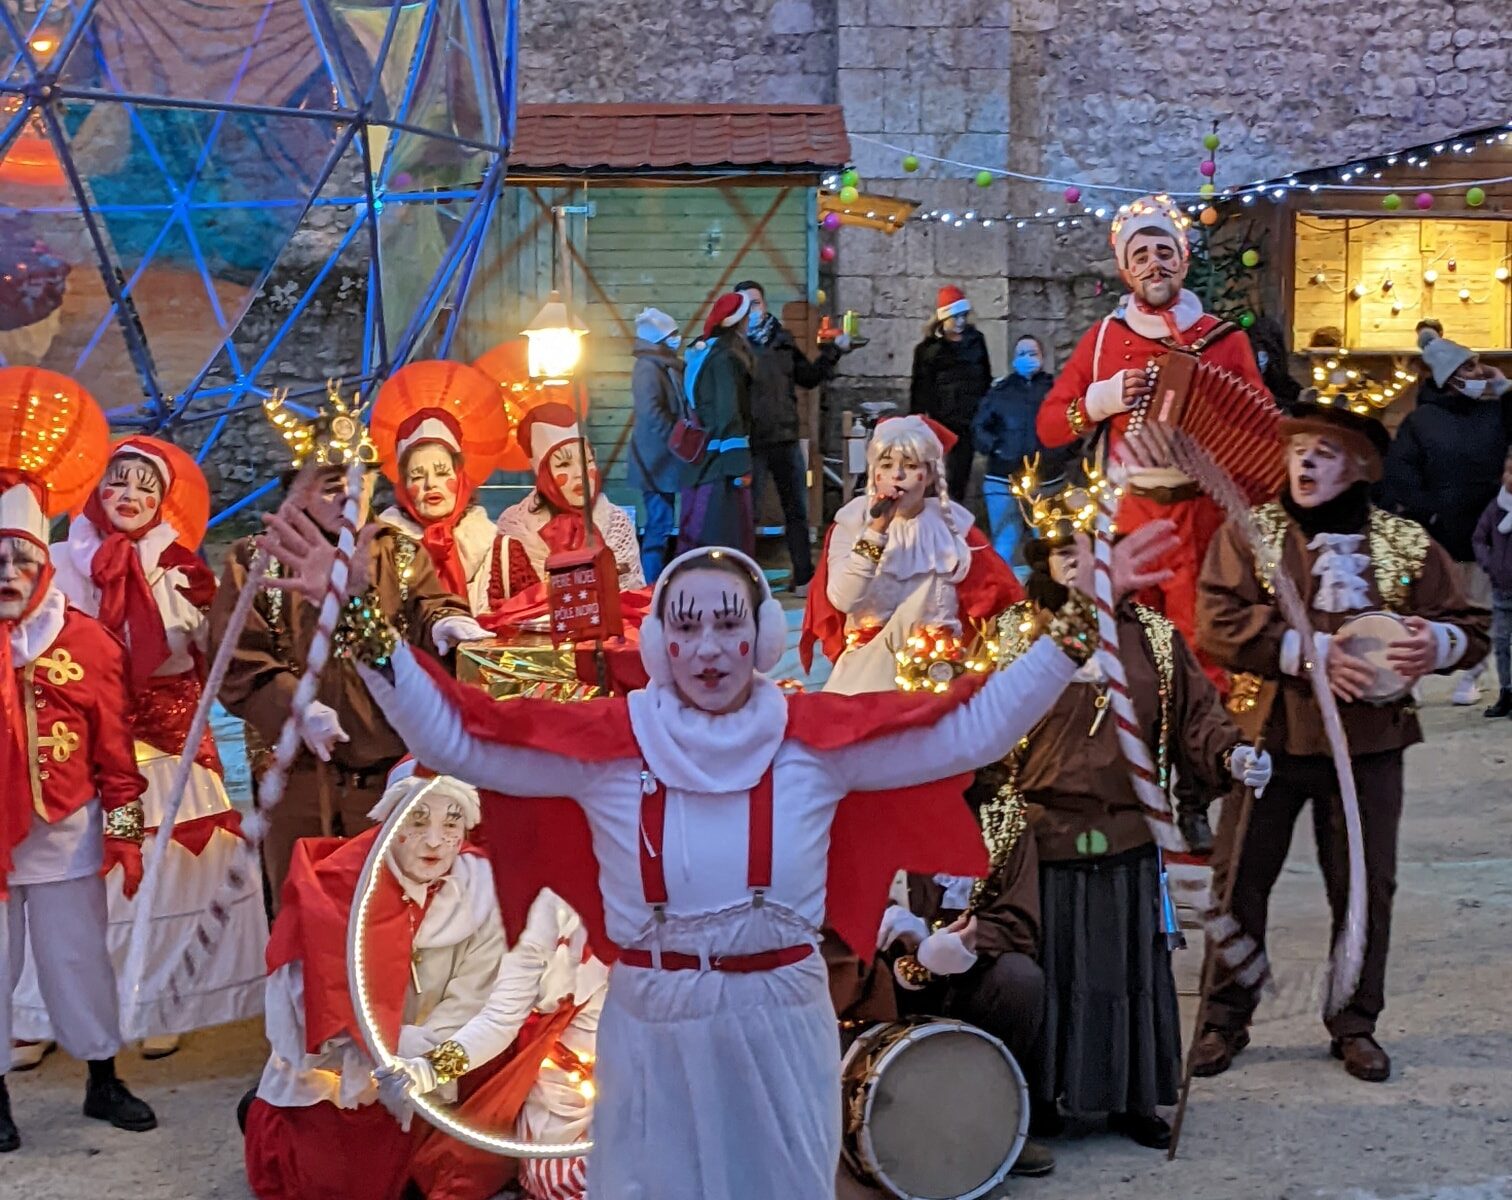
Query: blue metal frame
(476,37)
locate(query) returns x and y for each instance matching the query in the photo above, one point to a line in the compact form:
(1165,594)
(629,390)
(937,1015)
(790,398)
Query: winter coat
(722,396)
(1445,465)
(1493,549)
(1004,425)
(656,388)
(950,378)
(781,366)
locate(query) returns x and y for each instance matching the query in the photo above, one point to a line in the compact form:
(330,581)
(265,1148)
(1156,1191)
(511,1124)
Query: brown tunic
(1241,627)
(270,655)
(1077,782)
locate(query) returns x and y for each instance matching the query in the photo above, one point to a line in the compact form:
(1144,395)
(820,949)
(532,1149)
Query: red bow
(127,606)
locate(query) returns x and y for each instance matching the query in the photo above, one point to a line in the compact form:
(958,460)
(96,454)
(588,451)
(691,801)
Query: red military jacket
(1112,345)
(79,745)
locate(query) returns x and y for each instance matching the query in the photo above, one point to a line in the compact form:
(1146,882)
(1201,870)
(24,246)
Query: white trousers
(74,973)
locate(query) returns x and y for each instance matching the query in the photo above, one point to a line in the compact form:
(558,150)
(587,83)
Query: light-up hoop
(438,1115)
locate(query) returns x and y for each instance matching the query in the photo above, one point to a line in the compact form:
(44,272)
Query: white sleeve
(512,999)
(980,731)
(850,574)
(433,731)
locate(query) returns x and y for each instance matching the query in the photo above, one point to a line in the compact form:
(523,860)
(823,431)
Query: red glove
(126,854)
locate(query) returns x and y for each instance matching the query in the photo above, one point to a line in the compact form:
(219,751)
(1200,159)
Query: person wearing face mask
(71,805)
(1346,557)
(656,391)
(951,374)
(902,557)
(1445,463)
(549,519)
(1004,429)
(439,429)
(130,561)
(715,823)
(348,745)
(1105,379)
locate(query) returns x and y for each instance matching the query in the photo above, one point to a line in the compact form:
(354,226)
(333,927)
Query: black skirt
(1111,1040)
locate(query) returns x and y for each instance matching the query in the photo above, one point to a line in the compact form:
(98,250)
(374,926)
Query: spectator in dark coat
(1268,341)
(656,390)
(951,374)
(779,367)
(1004,431)
(1493,552)
(716,497)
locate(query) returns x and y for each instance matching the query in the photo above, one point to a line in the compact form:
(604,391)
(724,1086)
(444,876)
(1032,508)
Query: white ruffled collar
(84,542)
(687,748)
(921,545)
(1340,569)
(34,636)
(463,903)
(1186,312)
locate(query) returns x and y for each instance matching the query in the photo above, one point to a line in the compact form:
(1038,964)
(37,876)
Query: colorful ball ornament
(821,297)
(827,253)
(1424,200)
(849,194)
(910,163)
(1072,194)
(1246,320)
(1475,197)
(849,178)
(984,179)
(831,221)
(1208,167)
(1207,189)
(1250,258)
(1209,216)
(1391,202)
(1211,142)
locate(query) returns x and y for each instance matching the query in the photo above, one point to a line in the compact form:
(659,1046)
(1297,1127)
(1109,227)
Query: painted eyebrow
(731,605)
(683,610)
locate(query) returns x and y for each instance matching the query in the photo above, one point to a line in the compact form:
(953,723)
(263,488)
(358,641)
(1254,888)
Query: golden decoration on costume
(363,632)
(126,822)
(1004,819)
(61,667)
(1398,548)
(912,972)
(1063,513)
(1073,627)
(61,740)
(1161,207)
(869,550)
(450,1062)
(334,437)
(932,658)
(1244,693)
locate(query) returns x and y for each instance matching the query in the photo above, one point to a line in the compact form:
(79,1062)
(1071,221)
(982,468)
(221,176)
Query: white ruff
(1186,312)
(34,635)
(920,545)
(687,748)
(1340,569)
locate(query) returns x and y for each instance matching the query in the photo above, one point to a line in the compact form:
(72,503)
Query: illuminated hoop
(439,1116)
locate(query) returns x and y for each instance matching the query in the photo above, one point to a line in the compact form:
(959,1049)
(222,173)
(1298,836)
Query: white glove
(1251,767)
(401,1079)
(944,953)
(1105,398)
(897,921)
(842,342)
(454,630)
(321,730)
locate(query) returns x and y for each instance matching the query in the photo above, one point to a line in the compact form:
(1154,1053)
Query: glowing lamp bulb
(1464,294)
(1320,278)
(1430,277)
(587,1089)
(1502,274)
(555,342)
(1358,291)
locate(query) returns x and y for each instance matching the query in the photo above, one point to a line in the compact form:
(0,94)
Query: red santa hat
(1149,212)
(543,429)
(951,302)
(729,309)
(428,425)
(148,449)
(22,513)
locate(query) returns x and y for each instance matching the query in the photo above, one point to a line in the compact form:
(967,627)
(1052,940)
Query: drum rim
(918,1029)
(1401,621)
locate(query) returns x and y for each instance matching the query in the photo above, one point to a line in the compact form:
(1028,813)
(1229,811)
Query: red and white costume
(1092,380)
(705,852)
(154,593)
(71,804)
(935,570)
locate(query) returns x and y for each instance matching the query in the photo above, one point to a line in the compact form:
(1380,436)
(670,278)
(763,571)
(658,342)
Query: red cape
(538,843)
(990,586)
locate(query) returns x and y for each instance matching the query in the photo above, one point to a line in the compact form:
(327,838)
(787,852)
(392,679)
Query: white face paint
(21,564)
(1319,467)
(131,493)
(565,466)
(429,840)
(901,476)
(711,638)
(430,481)
(1154,270)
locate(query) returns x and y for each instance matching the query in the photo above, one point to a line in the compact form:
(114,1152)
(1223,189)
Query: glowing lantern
(556,342)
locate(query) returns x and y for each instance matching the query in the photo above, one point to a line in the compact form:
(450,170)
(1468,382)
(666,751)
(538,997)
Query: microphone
(883,506)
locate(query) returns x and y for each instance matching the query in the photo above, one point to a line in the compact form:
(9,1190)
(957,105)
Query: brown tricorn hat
(1365,437)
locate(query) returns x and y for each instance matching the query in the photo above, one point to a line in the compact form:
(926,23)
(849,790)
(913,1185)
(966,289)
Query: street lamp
(555,341)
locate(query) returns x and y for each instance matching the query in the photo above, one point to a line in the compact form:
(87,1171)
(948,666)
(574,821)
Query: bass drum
(934,1110)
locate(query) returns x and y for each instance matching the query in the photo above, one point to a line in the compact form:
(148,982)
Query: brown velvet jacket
(270,654)
(1241,628)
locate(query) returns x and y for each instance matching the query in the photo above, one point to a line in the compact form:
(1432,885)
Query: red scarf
(439,535)
(15,765)
(564,529)
(127,606)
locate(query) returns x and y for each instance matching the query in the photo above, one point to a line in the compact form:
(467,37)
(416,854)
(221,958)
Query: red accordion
(1235,423)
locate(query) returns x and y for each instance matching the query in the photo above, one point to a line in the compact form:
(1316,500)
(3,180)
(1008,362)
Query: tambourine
(1369,637)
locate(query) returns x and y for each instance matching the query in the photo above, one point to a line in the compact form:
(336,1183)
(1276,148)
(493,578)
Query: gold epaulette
(1398,549)
(1015,632)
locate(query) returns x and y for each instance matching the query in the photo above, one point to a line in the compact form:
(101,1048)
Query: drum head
(948,1111)
(1369,636)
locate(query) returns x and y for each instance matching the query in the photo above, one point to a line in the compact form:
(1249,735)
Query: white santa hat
(771,624)
(22,514)
(1149,212)
(408,780)
(654,326)
(545,427)
(428,425)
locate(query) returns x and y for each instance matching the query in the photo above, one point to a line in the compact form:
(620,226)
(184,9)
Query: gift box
(524,665)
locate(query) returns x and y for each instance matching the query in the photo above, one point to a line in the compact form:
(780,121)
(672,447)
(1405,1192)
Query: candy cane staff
(130,560)
(71,809)
(728,822)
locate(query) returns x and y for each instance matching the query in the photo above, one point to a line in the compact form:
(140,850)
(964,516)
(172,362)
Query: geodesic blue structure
(187,186)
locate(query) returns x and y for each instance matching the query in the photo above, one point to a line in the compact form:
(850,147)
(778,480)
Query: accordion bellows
(1234,422)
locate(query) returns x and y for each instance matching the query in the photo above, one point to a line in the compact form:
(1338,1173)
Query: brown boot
(1216,1049)
(1362,1057)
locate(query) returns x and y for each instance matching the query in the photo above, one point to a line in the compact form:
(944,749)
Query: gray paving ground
(1288,1124)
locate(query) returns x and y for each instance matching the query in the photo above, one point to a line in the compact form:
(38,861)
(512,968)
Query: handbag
(689,439)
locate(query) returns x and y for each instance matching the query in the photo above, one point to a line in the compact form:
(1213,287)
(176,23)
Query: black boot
(10,1136)
(1503,705)
(107,1099)
(1144,1128)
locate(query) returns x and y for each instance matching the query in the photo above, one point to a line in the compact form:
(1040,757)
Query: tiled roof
(639,137)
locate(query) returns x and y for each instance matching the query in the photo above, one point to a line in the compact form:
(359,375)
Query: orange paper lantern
(52,429)
(187,505)
(464,393)
(508,365)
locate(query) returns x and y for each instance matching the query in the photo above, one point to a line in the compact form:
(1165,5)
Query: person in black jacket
(1004,431)
(951,374)
(779,367)
(1268,341)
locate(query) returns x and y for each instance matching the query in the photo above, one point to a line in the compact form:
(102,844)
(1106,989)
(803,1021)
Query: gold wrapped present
(524,665)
